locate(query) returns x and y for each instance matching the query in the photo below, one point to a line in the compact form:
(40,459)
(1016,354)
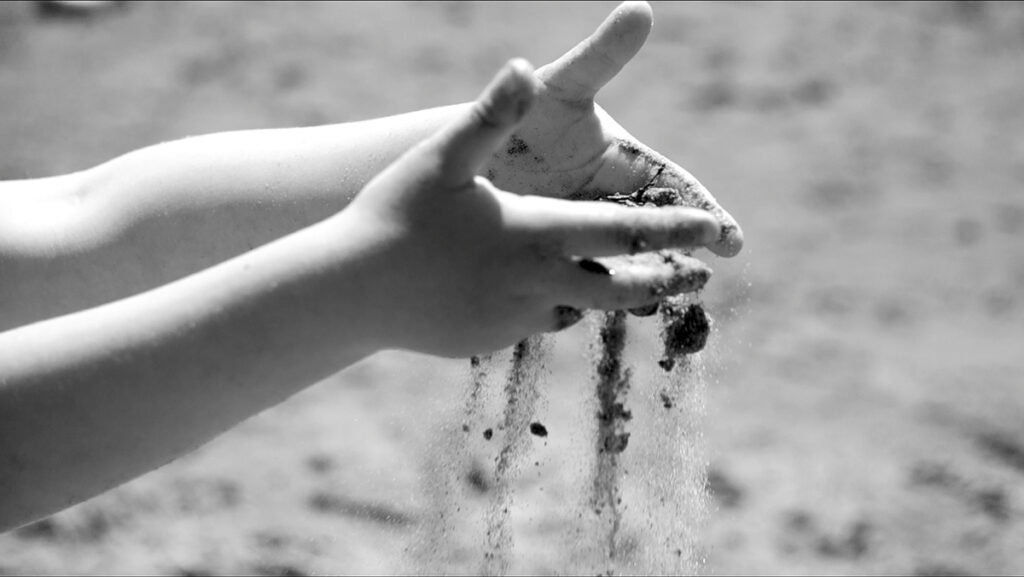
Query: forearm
(166,211)
(92,399)
(292,173)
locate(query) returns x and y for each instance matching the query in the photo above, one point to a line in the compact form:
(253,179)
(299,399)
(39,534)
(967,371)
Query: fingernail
(595,267)
(644,311)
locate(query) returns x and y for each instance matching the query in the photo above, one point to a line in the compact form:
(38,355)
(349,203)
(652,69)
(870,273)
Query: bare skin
(576,150)
(166,211)
(152,303)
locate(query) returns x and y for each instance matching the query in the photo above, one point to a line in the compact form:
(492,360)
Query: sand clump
(685,331)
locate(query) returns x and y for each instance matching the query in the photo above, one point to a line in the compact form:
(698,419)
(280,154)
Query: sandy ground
(865,410)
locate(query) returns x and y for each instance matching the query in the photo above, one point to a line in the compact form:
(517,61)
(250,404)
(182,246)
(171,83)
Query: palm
(555,152)
(570,148)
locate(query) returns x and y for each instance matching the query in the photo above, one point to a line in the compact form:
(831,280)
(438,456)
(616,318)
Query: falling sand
(645,500)
(521,395)
(645,496)
(612,437)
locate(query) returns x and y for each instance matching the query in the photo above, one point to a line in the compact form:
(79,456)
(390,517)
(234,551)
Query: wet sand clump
(685,331)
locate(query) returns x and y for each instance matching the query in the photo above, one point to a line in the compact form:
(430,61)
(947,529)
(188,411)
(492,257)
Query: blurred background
(864,394)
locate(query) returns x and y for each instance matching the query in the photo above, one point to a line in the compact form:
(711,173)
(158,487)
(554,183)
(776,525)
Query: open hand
(464,268)
(571,148)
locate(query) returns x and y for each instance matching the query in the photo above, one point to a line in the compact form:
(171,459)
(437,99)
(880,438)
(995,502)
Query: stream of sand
(642,498)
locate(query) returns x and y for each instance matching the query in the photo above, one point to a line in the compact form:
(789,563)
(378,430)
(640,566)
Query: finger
(657,180)
(470,140)
(585,69)
(591,228)
(637,281)
(692,193)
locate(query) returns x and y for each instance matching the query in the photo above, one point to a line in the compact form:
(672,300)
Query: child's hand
(459,267)
(570,148)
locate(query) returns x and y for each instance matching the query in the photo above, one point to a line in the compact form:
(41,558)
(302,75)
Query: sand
(863,375)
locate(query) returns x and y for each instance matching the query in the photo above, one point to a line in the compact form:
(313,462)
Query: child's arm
(163,212)
(427,257)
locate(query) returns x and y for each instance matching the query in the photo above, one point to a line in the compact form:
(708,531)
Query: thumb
(468,142)
(582,71)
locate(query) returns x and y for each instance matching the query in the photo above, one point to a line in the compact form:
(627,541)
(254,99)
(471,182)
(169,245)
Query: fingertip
(470,139)
(517,75)
(639,9)
(689,274)
(730,243)
(634,16)
(521,67)
(515,88)
(702,274)
(581,72)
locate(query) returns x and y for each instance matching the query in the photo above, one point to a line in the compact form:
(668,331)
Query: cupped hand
(464,268)
(571,148)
